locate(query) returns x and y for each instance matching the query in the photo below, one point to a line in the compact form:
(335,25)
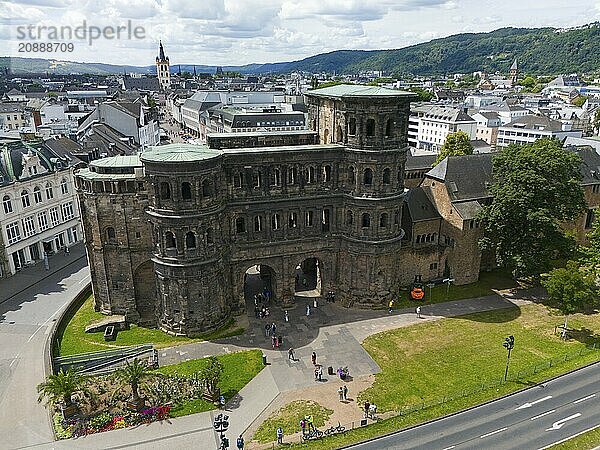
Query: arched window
(37,194)
(111,236)
(190,240)
(326,174)
(370,127)
(366,220)
(352,127)
(209,236)
(7,203)
(258,223)
(428,238)
(293,220)
(49,191)
(238,180)
(349,218)
(275,222)
(388,128)
(351,175)
(206,188)
(186,191)
(64,187)
(368,177)
(165,190)
(25,199)
(387,176)
(383,220)
(240,225)
(292,175)
(170,240)
(276,177)
(418,239)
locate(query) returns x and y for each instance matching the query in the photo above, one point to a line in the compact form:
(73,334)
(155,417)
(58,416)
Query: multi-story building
(249,119)
(13,116)
(487,126)
(40,213)
(530,128)
(430,125)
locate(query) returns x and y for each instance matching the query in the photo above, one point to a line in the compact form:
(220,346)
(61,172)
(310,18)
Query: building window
(366,220)
(54,217)
(67,211)
(310,175)
(349,218)
(351,176)
(165,190)
(387,177)
(28,226)
(368,177)
(292,175)
(352,127)
(326,174)
(170,242)
(238,180)
(240,225)
(383,220)
(433,266)
(43,221)
(596,188)
(49,191)
(13,233)
(64,187)
(186,191)
(293,220)
(388,128)
(7,203)
(111,235)
(190,240)
(325,220)
(257,179)
(309,218)
(276,177)
(275,223)
(37,194)
(370,127)
(258,226)
(25,199)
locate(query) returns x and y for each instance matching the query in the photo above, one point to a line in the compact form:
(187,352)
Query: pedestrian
(341,393)
(307,310)
(267,330)
(255,300)
(345,392)
(320,373)
(313,358)
(240,443)
(279,435)
(287,318)
(291,354)
(256,312)
(390,306)
(222,402)
(315,304)
(372,410)
(311,424)
(316,374)
(303,425)
(67,250)
(418,312)
(273,329)
(366,408)
(273,341)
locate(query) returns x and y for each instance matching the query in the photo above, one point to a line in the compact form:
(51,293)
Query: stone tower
(163,68)
(514,73)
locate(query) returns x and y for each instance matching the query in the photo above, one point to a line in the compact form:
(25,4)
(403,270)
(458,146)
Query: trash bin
(264,360)
(330,370)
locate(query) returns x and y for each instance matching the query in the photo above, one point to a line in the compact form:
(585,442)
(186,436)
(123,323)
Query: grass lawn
(496,279)
(74,340)
(426,362)
(289,418)
(584,441)
(238,369)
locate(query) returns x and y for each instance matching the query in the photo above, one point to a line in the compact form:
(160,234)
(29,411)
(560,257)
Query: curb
(466,409)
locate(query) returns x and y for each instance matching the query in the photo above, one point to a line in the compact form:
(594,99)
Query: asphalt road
(533,419)
(25,321)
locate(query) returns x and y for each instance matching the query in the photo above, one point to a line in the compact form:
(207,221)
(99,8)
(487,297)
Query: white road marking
(493,432)
(543,414)
(449,448)
(559,423)
(570,437)
(16,358)
(530,404)
(584,398)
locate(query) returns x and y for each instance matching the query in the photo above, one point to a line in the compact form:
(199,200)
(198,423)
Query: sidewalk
(30,276)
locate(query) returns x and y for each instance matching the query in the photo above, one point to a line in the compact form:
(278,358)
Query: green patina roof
(179,153)
(118,161)
(357,90)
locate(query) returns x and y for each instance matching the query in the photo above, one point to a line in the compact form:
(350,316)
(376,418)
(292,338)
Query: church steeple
(514,72)
(163,68)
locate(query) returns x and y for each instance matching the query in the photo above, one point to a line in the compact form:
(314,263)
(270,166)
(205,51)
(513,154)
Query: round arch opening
(259,281)
(308,278)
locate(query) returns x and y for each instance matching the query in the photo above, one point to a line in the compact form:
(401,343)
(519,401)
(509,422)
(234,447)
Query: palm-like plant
(135,374)
(62,386)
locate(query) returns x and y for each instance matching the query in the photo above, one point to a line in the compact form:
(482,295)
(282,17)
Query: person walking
(315,304)
(307,310)
(273,341)
(240,443)
(367,405)
(320,373)
(345,392)
(303,425)
(291,354)
(279,435)
(390,306)
(267,330)
(287,317)
(313,358)
(311,424)
(273,329)
(341,393)
(316,374)
(418,312)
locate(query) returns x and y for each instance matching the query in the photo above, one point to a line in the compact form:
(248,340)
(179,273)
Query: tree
(590,255)
(424,95)
(597,121)
(571,289)
(528,82)
(135,374)
(456,144)
(536,187)
(60,387)
(211,374)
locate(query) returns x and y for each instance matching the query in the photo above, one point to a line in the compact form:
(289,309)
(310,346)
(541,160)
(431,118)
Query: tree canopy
(536,187)
(456,144)
(570,288)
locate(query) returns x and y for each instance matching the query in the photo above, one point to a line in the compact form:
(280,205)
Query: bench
(110,333)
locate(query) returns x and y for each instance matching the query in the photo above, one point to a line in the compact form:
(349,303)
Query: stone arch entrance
(144,286)
(308,278)
(260,279)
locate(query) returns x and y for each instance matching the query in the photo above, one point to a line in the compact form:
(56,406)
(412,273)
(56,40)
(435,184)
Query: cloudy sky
(235,32)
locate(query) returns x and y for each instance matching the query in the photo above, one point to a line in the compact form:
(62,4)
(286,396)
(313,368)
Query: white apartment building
(487,126)
(40,214)
(530,128)
(507,113)
(429,125)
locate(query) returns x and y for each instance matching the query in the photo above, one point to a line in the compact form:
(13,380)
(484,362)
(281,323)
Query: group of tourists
(343,393)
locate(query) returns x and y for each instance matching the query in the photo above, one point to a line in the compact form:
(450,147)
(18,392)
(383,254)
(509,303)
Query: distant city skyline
(238,32)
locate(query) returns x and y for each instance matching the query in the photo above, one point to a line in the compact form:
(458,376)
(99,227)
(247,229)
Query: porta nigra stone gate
(171,233)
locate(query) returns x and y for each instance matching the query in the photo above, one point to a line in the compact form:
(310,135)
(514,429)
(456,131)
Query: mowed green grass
(75,340)
(585,441)
(238,369)
(443,358)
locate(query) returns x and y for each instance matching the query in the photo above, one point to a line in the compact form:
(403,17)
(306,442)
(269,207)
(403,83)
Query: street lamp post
(508,344)
(448,280)
(220,424)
